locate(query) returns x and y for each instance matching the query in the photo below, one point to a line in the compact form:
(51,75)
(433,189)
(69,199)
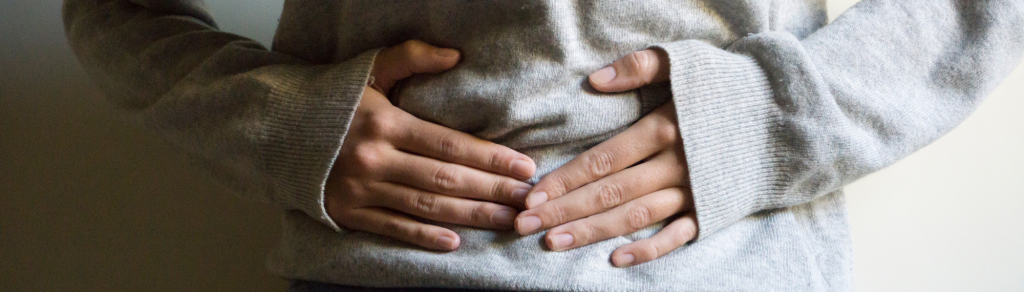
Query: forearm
(774,121)
(267,124)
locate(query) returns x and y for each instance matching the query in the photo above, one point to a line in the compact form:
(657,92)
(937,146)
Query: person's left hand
(635,179)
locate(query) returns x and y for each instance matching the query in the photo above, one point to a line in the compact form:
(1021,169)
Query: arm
(773,121)
(268,124)
(272,126)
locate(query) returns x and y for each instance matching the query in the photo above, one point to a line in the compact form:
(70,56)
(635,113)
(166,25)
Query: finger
(443,208)
(651,134)
(622,220)
(412,57)
(673,236)
(455,180)
(432,140)
(632,71)
(661,172)
(395,225)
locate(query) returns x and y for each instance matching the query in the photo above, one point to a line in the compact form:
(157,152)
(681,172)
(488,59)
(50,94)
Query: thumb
(412,57)
(632,71)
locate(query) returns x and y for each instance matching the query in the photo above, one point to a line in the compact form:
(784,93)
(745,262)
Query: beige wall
(90,203)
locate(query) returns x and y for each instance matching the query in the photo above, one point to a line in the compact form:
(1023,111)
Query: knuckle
(391,227)
(634,61)
(684,235)
(646,252)
(381,124)
(446,178)
(559,185)
(556,215)
(479,215)
(586,232)
(353,194)
(420,51)
(412,46)
(599,164)
(497,159)
(638,216)
(610,195)
(425,203)
(451,146)
(367,157)
(639,61)
(666,132)
(422,235)
(498,189)
(644,60)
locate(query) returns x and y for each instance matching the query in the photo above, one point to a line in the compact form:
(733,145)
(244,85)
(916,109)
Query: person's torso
(522,82)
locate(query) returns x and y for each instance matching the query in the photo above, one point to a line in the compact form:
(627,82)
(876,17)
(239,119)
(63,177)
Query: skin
(637,178)
(399,168)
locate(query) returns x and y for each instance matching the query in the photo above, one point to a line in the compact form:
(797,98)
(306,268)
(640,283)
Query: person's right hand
(394,168)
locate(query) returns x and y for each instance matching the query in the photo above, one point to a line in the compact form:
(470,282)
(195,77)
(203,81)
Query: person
(644,146)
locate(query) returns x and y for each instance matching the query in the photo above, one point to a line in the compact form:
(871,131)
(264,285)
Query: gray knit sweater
(777,111)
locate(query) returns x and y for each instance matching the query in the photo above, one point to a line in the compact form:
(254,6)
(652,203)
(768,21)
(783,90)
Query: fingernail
(624,259)
(528,224)
(519,195)
(447,53)
(560,241)
(447,243)
(536,199)
(504,218)
(604,75)
(522,168)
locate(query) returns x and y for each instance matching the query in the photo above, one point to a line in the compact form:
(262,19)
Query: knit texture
(777,110)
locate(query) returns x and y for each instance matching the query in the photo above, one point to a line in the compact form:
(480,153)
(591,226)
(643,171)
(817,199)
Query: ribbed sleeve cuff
(309,115)
(729,124)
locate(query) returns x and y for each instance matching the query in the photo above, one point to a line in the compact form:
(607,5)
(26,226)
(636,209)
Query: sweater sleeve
(773,121)
(266,124)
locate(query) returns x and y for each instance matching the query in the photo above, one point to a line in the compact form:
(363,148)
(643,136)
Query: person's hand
(394,168)
(635,179)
